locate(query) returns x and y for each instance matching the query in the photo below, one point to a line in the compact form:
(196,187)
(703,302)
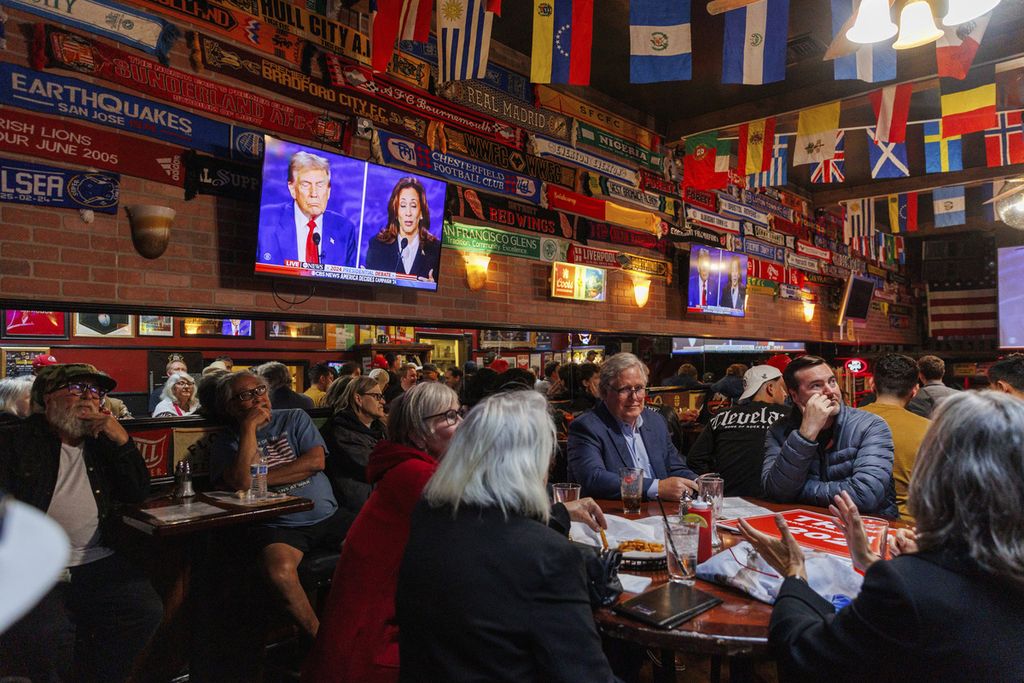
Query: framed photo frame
(304,331)
(16,361)
(24,324)
(156,326)
(104,325)
(216,327)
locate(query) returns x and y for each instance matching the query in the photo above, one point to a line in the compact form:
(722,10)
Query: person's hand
(102,422)
(783,554)
(672,488)
(848,519)
(817,412)
(255,417)
(902,542)
(586,511)
(689,415)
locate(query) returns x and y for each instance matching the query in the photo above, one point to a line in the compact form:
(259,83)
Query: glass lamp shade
(917,26)
(1011,210)
(962,11)
(872,24)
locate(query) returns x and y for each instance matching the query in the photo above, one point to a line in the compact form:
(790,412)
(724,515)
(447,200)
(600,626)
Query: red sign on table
(810,529)
(154,445)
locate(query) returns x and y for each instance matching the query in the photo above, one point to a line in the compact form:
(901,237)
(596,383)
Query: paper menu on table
(733,508)
(183,512)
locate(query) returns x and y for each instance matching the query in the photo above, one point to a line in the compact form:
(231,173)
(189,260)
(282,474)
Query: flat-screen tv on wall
(718,282)
(856,299)
(326,216)
(1010,297)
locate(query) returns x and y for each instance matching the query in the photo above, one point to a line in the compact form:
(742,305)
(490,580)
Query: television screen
(328,216)
(1010,264)
(688,345)
(718,282)
(856,299)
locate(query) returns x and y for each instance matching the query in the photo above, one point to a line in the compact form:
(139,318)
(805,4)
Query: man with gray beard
(75,462)
(733,442)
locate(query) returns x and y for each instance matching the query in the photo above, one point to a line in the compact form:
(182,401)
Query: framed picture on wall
(156,326)
(279,329)
(216,327)
(17,361)
(22,324)
(104,325)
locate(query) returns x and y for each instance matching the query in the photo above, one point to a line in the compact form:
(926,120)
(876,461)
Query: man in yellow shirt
(321,376)
(895,378)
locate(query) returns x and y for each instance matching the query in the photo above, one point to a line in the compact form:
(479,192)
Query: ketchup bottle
(703,509)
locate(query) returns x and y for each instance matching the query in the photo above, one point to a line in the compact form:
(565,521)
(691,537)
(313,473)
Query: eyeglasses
(375,394)
(183,383)
(79,389)
(451,417)
(250,394)
(623,392)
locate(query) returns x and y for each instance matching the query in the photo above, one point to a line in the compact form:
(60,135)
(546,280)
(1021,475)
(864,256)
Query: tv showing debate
(718,282)
(329,216)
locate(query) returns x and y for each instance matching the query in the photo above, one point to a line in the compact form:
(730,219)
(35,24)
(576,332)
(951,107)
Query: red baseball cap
(42,360)
(499,365)
(779,361)
(379,361)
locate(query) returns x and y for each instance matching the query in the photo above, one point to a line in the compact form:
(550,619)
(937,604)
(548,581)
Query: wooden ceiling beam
(882,188)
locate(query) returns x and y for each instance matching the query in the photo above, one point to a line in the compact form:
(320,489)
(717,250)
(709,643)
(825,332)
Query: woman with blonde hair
(351,433)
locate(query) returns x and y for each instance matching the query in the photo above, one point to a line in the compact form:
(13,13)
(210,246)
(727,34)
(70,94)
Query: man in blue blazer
(304,229)
(622,432)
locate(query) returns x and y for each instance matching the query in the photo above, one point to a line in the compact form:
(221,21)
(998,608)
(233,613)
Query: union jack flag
(831,170)
(1004,144)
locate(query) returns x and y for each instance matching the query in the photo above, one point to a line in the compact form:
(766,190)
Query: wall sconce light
(476,269)
(151,228)
(808,311)
(641,289)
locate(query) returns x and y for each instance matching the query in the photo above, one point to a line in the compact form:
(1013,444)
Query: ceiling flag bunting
(816,134)
(700,163)
(659,41)
(949,206)
(870,63)
(777,174)
(1004,144)
(901,251)
(562,35)
(892,108)
(831,170)
(888,159)
(941,154)
(903,212)
(955,50)
(393,20)
(757,140)
(465,39)
(969,106)
(754,49)
(859,224)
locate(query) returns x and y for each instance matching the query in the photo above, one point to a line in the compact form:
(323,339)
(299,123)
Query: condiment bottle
(703,509)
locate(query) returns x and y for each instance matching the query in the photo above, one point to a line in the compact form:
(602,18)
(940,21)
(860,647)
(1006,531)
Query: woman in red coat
(358,637)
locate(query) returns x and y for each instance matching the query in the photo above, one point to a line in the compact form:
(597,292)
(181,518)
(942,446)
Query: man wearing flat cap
(75,462)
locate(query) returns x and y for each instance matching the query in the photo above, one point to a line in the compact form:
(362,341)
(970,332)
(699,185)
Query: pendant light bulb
(872,24)
(962,11)
(917,26)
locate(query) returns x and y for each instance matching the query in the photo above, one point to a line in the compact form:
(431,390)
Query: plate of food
(641,549)
(641,539)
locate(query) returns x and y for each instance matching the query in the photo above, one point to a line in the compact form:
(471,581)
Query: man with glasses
(622,432)
(74,461)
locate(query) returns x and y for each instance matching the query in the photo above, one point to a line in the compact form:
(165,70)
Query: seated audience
(229,364)
(175,364)
(206,392)
(216,366)
(279,381)
(381,376)
(350,369)
(950,604)
(352,432)
(622,432)
(453,378)
(1007,375)
(686,379)
(931,370)
(295,453)
(178,398)
(517,376)
(732,443)
(406,379)
(895,381)
(549,378)
(580,387)
(825,447)
(76,464)
(321,376)
(15,398)
(731,386)
(480,552)
(429,373)
(478,386)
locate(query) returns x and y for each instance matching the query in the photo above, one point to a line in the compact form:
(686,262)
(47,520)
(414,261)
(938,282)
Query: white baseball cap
(755,377)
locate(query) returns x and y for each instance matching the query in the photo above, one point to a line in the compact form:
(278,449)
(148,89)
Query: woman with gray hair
(279,380)
(178,399)
(951,602)
(15,398)
(510,588)
(351,433)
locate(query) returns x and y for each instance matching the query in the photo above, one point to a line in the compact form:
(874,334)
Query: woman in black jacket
(353,430)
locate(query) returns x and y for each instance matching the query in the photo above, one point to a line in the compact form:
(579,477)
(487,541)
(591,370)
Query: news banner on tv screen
(331,217)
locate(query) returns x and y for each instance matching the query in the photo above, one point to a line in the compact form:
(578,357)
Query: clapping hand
(848,519)
(783,554)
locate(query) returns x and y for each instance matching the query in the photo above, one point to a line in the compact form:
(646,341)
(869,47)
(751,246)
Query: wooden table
(227,514)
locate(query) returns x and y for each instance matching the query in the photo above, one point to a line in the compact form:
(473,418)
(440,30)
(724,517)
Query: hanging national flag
(955,50)
(816,134)
(754,50)
(777,174)
(393,20)
(831,170)
(464,27)
(949,206)
(757,140)
(958,311)
(888,159)
(859,224)
(969,106)
(562,34)
(659,41)
(988,191)
(1004,144)
(903,212)
(870,63)
(892,107)
(941,154)
(699,165)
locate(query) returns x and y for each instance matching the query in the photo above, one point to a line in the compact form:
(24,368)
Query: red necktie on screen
(311,255)
(703,295)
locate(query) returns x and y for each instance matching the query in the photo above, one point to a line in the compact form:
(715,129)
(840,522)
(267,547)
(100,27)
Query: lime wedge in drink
(692,518)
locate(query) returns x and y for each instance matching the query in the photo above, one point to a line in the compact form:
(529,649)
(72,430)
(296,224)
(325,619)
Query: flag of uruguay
(659,41)
(754,49)
(870,63)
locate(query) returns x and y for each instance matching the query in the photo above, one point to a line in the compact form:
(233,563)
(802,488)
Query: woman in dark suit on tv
(405,244)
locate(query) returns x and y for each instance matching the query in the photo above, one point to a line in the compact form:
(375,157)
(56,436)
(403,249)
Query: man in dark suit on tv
(233,327)
(304,229)
(733,291)
(703,290)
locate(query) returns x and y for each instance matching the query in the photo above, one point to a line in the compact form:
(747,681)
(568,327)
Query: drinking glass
(877,531)
(631,482)
(681,540)
(565,493)
(711,488)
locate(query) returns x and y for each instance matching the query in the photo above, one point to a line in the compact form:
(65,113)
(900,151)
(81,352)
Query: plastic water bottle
(258,474)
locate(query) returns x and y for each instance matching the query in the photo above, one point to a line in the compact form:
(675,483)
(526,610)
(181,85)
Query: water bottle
(258,474)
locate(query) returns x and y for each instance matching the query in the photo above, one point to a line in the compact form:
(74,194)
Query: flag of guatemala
(659,41)
(754,49)
(870,63)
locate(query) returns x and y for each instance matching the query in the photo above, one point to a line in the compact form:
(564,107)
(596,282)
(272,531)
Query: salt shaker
(183,480)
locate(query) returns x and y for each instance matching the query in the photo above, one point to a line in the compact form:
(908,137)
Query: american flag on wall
(957,309)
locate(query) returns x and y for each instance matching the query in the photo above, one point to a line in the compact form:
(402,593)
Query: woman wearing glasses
(353,430)
(358,639)
(178,398)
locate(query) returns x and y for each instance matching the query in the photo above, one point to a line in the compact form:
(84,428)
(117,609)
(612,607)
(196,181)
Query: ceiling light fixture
(917,26)
(873,23)
(962,11)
